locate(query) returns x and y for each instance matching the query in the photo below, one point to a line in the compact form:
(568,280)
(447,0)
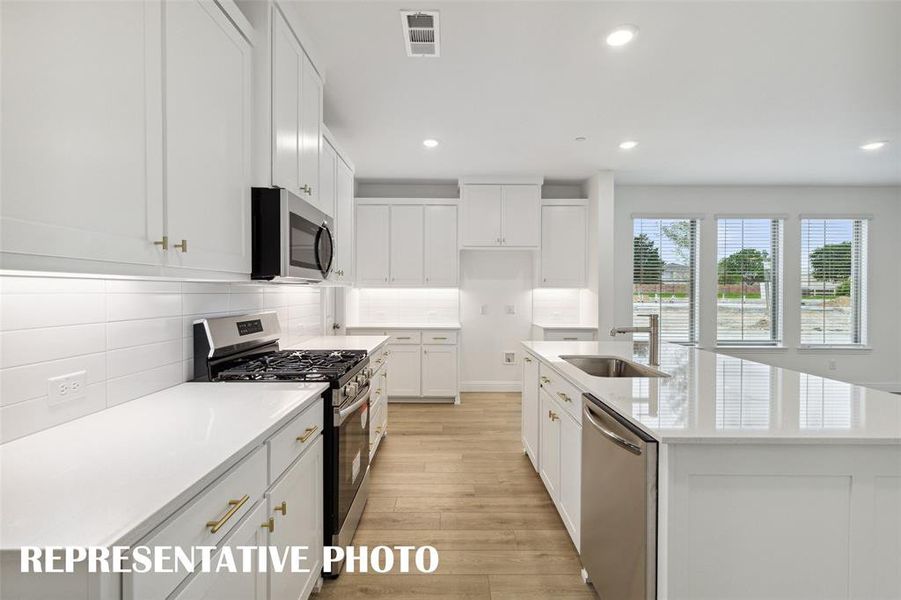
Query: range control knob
(350,390)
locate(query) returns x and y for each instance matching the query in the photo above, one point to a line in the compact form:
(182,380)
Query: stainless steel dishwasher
(619,505)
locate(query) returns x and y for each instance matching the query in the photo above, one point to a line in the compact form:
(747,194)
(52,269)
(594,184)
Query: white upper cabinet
(520,215)
(310,132)
(207,109)
(501,215)
(563,244)
(372,247)
(407,244)
(82,130)
(344,223)
(286,72)
(441,255)
(328,173)
(481,206)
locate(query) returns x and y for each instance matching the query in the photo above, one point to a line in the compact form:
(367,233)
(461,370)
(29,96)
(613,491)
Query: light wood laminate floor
(455,477)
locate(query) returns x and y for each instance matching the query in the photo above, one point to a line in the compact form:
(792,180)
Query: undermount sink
(611,366)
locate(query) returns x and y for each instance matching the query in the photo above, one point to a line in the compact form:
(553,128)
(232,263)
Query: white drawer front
(562,391)
(220,506)
(559,335)
(405,336)
(439,337)
(292,439)
(377,359)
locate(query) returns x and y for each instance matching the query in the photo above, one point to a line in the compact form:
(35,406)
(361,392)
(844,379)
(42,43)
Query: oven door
(351,423)
(309,245)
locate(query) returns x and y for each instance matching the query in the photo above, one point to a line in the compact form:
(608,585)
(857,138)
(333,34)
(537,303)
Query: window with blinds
(833,281)
(749,281)
(664,276)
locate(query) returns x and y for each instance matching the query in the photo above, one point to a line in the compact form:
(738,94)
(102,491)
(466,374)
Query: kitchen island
(770,483)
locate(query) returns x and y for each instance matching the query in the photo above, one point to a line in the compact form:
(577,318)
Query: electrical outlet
(832,365)
(509,358)
(66,388)
(510,309)
(484,309)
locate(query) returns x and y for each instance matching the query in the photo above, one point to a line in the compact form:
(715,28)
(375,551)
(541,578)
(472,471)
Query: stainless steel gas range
(246,348)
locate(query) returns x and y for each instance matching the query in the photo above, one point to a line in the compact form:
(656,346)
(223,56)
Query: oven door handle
(341,415)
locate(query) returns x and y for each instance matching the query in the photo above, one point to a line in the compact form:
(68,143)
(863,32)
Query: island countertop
(108,478)
(711,397)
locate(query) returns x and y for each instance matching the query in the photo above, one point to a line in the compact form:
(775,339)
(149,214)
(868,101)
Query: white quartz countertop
(565,326)
(384,326)
(369,343)
(713,397)
(108,478)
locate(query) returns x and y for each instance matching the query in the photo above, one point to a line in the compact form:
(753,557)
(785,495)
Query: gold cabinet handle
(527,359)
(235,507)
(564,397)
(282,508)
(269,524)
(440,338)
(552,415)
(163,242)
(306,189)
(307,433)
(183,246)
(545,379)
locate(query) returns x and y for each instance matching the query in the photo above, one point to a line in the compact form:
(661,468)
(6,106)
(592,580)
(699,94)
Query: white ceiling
(715,92)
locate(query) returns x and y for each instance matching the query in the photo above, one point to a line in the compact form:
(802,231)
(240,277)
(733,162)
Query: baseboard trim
(491,386)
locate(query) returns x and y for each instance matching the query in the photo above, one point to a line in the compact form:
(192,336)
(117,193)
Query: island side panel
(781,521)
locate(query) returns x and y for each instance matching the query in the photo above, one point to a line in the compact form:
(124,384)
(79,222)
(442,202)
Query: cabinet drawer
(377,359)
(220,506)
(292,439)
(562,391)
(439,337)
(571,335)
(405,336)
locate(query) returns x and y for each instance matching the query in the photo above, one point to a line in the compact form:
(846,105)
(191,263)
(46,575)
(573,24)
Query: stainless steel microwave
(291,239)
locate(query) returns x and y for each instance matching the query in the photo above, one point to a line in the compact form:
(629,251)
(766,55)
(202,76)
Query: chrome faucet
(653,331)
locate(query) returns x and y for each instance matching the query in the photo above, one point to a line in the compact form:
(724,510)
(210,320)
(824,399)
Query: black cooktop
(293,365)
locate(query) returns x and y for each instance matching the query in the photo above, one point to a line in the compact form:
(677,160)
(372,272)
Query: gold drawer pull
(552,415)
(527,359)
(564,397)
(235,507)
(282,508)
(307,433)
(269,524)
(439,338)
(545,379)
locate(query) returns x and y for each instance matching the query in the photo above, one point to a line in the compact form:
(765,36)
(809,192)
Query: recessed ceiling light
(870,146)
(581,138)
(622,35)
(430,143)
(627,145)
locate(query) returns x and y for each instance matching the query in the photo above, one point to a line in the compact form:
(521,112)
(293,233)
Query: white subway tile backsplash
(132,337)
(372,306)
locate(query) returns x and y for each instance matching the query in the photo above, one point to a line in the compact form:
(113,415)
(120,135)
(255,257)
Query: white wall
(133,337)
(494,279)
(878,366)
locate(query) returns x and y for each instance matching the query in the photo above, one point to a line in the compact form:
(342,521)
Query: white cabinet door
(439,371)
(207,108)
(441,254)
(344,223)
(239,585)
(372,223)
(328,173)
(310,130)
(563,246)
(406,245)
(481,215)
(530,410)
(570,473)
(82,130)
(549,445)
(295,505)
(286,71)
(405,377)
(520,215)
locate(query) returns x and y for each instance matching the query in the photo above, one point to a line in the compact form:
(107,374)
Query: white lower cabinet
(530,409)
(569,503)
(549,464)
(406,370)
(439,370)
(295,523)
(233,586)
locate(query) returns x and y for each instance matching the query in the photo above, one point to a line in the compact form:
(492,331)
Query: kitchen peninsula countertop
(713,397)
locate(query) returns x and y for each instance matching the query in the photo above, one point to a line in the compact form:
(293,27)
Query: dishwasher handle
(619,441)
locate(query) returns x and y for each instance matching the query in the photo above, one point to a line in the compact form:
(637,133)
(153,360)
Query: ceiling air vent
(421,32)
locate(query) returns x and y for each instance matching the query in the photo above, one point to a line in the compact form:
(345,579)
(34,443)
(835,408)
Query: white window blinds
(833,281)
(749,281)
(664,276)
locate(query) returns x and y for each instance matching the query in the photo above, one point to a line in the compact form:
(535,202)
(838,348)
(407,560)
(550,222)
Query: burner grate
(293,365)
